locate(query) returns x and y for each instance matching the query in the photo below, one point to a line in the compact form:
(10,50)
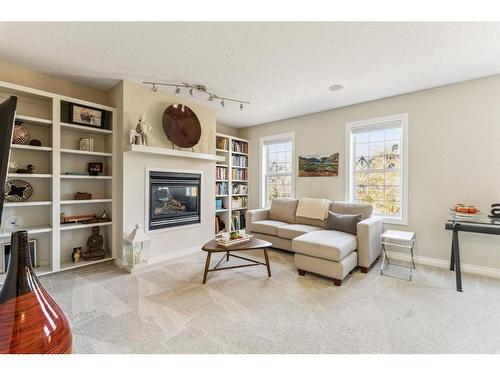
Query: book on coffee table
(229,243)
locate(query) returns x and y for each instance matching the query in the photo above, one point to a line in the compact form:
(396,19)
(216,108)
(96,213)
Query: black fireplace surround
(174,199)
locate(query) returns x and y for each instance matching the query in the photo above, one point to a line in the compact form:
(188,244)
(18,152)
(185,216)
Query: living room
(307,187)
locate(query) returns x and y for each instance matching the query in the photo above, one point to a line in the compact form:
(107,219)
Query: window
(277,168)
(377,165)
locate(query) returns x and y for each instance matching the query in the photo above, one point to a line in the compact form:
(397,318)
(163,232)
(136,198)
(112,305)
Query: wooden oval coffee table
(253,244)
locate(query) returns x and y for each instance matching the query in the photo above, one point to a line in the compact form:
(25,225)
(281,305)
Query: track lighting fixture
(200,88)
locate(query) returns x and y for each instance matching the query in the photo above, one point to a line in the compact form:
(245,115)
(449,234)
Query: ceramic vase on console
(30,320)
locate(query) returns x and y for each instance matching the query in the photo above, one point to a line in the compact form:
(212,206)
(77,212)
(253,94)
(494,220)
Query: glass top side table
(402,240)
(479,223)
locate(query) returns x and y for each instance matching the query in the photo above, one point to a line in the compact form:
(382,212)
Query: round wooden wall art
(181,125)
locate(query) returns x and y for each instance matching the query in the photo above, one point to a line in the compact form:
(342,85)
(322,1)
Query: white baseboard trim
(157,260)
(441,263)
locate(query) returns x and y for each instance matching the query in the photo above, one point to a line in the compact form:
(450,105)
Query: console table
(480,223)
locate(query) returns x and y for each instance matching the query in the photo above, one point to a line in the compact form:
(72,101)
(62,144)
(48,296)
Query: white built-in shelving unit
(46,116)
(234,168)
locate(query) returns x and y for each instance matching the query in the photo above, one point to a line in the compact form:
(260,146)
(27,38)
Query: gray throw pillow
(343,222)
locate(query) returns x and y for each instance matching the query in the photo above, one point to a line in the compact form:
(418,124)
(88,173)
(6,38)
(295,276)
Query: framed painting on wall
(87,116)
(319,165)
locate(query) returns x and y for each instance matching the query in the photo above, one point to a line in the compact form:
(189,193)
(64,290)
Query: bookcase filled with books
(231,183)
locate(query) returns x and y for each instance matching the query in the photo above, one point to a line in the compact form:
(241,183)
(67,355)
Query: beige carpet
(167,310)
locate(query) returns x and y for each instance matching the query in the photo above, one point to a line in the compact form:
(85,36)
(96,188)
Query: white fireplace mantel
(174,153)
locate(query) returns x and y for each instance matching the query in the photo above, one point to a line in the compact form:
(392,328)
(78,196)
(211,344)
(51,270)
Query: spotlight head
(154,88)
(177,90)
(210,98)
(222,103)
(241,106)
(191,91)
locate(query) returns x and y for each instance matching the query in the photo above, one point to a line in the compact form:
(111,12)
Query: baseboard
(158,260)
(441,263)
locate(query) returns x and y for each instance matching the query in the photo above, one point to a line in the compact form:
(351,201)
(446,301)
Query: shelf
(84,176)
(223,195)
(222,165)
(85,129)
(239,180)
(221,180)
(80,152)
(43,269)
(173,153)
(219,211)
(220,150)
(85,201)
(31,230)
(239,153)
(28,175)
(38,104)
(239,208)
(237,167)
(29,147)
(80,226)
(27,204)
(239,195)
(68,265)
(34,120)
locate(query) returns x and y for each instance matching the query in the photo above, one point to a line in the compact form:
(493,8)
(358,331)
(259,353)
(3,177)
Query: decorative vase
(30,320)
(20,135)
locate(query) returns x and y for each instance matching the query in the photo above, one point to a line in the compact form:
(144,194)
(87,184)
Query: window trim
(262,180)
(402,118)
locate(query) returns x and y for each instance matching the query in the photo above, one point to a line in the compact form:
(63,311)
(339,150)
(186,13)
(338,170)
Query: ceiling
(283,69)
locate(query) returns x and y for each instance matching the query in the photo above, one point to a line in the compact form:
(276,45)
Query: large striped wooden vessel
(30,321)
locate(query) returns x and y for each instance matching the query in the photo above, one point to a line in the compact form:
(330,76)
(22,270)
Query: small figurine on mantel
(95,244)
(140,135)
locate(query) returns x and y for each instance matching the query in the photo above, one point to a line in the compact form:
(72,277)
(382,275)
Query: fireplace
(174,199)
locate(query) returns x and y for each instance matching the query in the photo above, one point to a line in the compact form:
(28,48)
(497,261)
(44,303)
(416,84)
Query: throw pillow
(283,209)
(343,222)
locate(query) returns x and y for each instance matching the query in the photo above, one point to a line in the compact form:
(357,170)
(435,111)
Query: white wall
(454,139)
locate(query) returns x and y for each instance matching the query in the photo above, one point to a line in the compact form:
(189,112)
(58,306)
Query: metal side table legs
(400,239)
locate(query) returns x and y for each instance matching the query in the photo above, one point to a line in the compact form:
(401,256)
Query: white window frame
(262,157)
(374,123)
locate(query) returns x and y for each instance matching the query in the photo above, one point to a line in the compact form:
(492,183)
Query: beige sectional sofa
(317,248)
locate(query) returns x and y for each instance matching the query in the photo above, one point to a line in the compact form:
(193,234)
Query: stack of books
(239,146)
(227,243)
(222,144)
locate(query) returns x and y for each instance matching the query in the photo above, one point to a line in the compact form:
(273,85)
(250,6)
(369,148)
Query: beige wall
(228,130)
(21,76)
(138,100)
(454,138)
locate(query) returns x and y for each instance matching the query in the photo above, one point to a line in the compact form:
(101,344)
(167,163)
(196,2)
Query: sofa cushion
(283,209)
(343,222)
(326,244)
(314,222)
(267,226)
(364,209)
(291,231)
